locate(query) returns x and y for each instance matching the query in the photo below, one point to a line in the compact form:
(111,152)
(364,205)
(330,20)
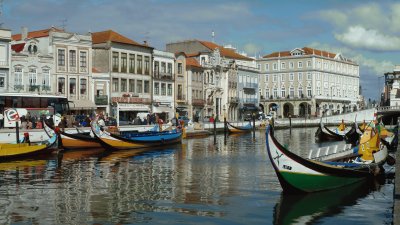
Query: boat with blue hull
(136,140)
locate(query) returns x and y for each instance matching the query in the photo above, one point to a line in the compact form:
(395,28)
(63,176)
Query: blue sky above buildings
(365,31)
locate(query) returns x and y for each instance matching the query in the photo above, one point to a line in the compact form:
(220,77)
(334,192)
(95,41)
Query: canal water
(201,181)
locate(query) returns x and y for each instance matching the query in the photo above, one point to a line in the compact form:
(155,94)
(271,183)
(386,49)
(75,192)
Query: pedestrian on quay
(1,120)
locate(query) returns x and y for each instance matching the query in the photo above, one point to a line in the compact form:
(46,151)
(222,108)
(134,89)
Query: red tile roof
(225,52)
(307,51)
(110,35)
(35,34)
(192,62)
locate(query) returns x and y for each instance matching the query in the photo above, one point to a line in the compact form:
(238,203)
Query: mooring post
(254,126)
(215,127)
(17,131)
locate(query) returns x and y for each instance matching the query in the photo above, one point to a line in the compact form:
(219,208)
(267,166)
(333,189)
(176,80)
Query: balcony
(163,76)
(181,98)
(46,88)
(234,100)
(101,100)
(33,88)
(198,102)
(250,100)
(19,87)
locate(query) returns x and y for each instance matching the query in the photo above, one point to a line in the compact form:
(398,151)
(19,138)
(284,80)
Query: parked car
(183,118)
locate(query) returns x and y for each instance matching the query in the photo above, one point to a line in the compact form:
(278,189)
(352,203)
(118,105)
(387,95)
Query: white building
(163,84)
(5,60)
(306,81)
(53,61)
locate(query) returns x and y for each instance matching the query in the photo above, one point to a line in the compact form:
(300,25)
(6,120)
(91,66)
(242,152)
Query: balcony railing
(3,63)
(198,102)
(33,88)
(101,100)
(250,85)
(163,76)
(234,100)
(19,87)
(250,100)
(181,97)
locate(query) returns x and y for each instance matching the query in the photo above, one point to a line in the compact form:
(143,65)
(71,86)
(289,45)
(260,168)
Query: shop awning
(133,107)
(81,104)
(160,109)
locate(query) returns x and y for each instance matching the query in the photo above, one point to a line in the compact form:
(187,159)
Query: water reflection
(221,181)
(310,208)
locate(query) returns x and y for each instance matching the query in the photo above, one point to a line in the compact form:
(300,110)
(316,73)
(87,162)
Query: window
(72,86)
(32,76)
(61,85)
(300,76)
(139,65)
(283,93)
(46,78)
(169,91)
(163,67)
(123,85)
(2,80)
(146,86)
(275,66)
(139,86)
(275,92)
(300,92)
(309,77)
(146,66)
(267,93)
(131,63)
(61,57)
(18,76)
(131,85)
(180,69)
(72,58)
(115,84)
(163,89)
(259,66)
(275,78)
(283,65)
(156,88)
(83,59)
(308,63)
(115,62)
(266,78)
(291,76)
(83,86)
(318,90)
(291,92)
(309,94)
(267,67)
(169,69)
(300,64)
(124,66)
(291,65)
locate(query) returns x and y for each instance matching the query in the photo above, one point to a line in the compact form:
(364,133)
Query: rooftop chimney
(24,33)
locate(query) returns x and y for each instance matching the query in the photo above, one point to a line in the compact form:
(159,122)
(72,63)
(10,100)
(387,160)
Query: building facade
(220,76)
(5,60)
(307,82)
(163,84)
(128,65)
(389,94)
(53,61)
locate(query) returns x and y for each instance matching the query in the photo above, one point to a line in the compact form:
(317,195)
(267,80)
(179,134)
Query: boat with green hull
(300,175)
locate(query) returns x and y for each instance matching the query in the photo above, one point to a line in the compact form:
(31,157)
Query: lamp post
(225,128)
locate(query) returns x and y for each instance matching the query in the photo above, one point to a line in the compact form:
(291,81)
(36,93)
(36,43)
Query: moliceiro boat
(20,150)
(134,141)
(300,175)
(69,141)
(239,129)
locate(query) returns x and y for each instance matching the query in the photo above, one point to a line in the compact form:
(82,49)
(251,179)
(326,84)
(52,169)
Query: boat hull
(300,175)
(76,141)
(239,129)
(21,150)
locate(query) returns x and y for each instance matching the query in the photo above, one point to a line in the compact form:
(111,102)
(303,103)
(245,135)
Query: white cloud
(359,37)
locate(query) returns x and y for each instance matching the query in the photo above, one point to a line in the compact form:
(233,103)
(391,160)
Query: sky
(367,32)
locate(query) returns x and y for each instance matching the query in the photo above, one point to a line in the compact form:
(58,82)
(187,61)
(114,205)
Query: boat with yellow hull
(20,150)
(69,141)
